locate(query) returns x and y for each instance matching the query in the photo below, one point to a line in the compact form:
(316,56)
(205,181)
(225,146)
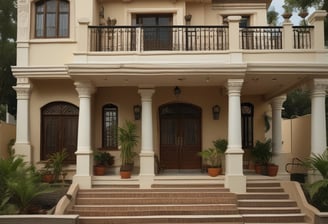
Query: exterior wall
(7,132)
(43,93)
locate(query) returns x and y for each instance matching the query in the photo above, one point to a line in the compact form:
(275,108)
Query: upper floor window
(52,19)
(110,127)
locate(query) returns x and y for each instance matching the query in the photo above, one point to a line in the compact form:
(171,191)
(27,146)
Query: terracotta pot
(272,170)
(99,170)
(48,178)
(125,174)
(213,172)
(258,168)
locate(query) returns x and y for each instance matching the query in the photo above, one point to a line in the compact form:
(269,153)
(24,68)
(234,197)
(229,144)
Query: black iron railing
(260,37)
(192,38)
(150,38)
(302,37)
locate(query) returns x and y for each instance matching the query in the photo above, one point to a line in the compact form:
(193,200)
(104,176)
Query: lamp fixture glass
(177,91)
(216,112)
(137,112)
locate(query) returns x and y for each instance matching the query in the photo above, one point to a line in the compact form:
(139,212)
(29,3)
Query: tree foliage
(298,103)
(8,17)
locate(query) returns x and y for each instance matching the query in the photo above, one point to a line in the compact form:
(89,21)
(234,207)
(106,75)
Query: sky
(277,4)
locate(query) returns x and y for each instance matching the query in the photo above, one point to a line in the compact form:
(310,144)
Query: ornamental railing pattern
(193,38)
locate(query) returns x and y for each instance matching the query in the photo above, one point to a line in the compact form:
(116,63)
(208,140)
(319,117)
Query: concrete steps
(266,202)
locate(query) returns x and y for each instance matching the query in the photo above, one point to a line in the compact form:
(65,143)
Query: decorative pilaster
(84,154)
(318,116)
(234,177)
(23,32)
(147,170)
(23,145)
(276,106)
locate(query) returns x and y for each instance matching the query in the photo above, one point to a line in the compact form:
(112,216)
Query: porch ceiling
(266,79)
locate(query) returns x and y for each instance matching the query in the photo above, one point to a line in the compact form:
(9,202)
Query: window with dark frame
(52,19)
(110,127)
(247,114)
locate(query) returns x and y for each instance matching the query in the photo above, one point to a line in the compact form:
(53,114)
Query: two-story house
(186,71)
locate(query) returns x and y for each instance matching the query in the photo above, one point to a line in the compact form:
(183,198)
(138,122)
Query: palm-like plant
(319,163)
(212,156)
(128,139)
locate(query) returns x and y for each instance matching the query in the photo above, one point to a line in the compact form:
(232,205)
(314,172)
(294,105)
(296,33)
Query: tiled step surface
(266,202)
(209,203)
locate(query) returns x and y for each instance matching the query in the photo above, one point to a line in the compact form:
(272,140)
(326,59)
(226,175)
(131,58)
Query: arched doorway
(59,125)
(180,136)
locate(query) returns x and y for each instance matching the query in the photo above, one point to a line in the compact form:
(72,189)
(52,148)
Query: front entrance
(180,136)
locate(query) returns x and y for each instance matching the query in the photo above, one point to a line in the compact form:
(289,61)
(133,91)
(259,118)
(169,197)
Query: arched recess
(59,127)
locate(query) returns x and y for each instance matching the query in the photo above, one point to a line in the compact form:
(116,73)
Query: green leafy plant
(213,156)
(19,184)
(128,140)
(56,163)
(103,158)
(262,152)
(318,191)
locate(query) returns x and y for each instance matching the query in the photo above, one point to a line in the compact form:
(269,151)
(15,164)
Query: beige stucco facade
(214,65)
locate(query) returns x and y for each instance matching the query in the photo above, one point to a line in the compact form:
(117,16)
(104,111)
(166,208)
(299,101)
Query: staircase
(264,202)
(161,204)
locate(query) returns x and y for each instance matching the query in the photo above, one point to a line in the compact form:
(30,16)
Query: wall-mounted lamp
(102,12)
(216,112)
(177,91)
(111,22)
(188,19)
(137,112)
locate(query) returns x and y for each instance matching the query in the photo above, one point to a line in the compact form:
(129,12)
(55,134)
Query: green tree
(298,103)
(8,17)
(272,17)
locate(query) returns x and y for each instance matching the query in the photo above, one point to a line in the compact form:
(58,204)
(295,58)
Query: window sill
(52,40)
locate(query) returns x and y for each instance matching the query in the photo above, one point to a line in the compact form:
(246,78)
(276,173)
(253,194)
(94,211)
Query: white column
(318,116)
(84,153)
(276,106)
(234,177)
(22,145)
(147,170)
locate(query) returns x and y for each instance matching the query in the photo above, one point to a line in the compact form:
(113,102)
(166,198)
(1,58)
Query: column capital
(23,88)
(84,88)
(319,87)
(146,94)
(234,86)
(277,102)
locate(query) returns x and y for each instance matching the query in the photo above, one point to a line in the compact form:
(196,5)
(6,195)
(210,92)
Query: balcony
(195,38)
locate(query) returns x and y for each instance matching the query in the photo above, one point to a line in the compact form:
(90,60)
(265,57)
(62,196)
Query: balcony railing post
(288,36)
(138,39)
(317,20)
(82,41)
(234,32)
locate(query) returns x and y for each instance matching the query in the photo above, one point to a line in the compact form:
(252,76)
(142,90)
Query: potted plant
(102,160)
(46,173)
(213,157)
(262,154)
(288,12)
(56,161)
(128,140)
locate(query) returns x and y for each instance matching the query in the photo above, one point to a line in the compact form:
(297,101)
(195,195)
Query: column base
(147,164)
(24,150)
(146,181)
(236,184)
(84,182)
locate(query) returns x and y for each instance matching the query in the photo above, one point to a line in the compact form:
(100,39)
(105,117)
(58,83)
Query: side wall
(7,132)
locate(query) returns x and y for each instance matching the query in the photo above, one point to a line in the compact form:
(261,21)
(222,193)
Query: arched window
(110,127)
(52,19)
(247,114)
(59,125)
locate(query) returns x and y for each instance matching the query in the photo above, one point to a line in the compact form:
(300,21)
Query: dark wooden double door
(180,136)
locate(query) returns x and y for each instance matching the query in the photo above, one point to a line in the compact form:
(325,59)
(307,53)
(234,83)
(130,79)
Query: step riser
(153,195)
(271,211)
(161,220)
(268,219)
(267,204)
(263,196)
(150,201)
